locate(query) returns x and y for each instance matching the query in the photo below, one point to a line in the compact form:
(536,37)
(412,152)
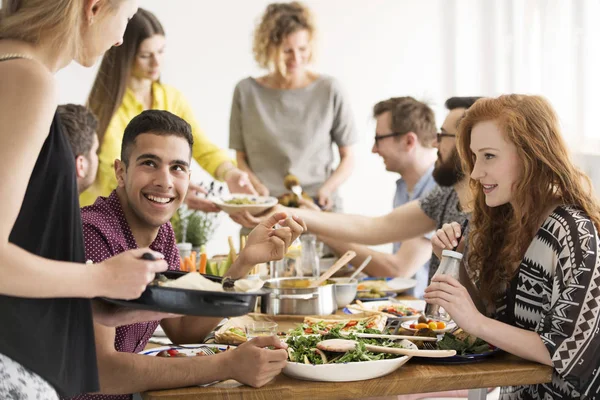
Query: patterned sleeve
(97,248)
(570,329)
(172,257)
(432,204)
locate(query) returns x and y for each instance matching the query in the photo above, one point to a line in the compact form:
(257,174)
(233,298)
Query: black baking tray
(192,302)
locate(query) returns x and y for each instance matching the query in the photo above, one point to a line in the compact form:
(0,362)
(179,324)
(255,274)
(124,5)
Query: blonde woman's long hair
(501,235)
(33,20)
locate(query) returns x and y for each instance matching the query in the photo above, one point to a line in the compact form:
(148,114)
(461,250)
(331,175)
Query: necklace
(11,56)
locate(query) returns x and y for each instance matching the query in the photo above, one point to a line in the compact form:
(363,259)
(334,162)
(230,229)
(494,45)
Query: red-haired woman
(532,248)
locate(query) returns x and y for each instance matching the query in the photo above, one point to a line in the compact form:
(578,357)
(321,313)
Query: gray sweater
(290,131)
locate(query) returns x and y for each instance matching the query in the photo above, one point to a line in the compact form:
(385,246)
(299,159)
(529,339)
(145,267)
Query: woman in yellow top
(128,83)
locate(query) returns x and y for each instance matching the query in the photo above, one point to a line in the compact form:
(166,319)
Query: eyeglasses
(440,135)
(388,135)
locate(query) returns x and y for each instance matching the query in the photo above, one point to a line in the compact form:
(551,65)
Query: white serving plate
(347,372)
(396,285)
(418,305)
(264,203)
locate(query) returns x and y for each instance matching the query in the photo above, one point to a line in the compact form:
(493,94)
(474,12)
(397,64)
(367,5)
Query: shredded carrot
(203,261)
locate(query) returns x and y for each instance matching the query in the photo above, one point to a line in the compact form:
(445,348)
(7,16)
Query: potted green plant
(195,227)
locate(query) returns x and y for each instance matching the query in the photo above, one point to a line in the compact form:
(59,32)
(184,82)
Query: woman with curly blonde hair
(292,114)
(533,246)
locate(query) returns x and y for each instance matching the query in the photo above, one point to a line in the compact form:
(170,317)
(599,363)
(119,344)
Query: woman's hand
(447,292)
(447,238)
(238,181)
(324,198)
(308,205)
(126,275)
(262,190)
(195,201)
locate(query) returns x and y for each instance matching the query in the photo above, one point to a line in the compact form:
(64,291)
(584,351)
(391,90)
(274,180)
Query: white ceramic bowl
(345,290)
(262,203)
(347,372)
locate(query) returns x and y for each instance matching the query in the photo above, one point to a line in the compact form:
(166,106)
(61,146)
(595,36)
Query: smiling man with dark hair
(153,177)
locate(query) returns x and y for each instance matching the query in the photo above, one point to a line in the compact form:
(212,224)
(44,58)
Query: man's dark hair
(409,115)
(157,122)
(460,102)
(80,125)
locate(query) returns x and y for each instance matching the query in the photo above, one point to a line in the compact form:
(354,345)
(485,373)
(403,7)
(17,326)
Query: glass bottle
(310,257)
(449,265)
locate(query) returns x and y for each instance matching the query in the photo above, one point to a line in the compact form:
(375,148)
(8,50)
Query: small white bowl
(345,290)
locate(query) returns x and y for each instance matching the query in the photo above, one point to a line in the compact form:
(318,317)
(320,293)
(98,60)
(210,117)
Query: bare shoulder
(26,77)
(28,89)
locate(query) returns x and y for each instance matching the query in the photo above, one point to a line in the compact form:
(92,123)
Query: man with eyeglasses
(404,135)
(447,202)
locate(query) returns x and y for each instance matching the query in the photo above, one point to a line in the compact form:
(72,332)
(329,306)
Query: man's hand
(239,182)
(267,243)
(247,220)
(195,201)
(254,365)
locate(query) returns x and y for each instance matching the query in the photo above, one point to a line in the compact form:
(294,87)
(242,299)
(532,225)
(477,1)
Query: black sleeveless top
(53,338)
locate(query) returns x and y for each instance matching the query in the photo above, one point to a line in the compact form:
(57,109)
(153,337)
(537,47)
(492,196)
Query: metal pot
(284,298)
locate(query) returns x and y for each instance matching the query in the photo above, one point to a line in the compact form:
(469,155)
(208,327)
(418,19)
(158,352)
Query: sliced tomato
(172,352)
(308,330)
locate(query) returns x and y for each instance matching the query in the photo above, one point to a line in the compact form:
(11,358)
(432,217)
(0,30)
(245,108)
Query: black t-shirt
(54,338)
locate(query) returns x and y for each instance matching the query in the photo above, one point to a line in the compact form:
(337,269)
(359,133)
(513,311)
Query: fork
(429,346)
(207,351)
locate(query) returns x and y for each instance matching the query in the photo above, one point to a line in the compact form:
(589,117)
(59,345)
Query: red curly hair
(501,235)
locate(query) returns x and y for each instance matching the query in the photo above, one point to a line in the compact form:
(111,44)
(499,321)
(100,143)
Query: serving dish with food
(195,294)
(308,362)
(469,348)
(237,202)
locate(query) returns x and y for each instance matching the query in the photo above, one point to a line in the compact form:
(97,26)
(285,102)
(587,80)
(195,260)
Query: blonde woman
(288,120)
(128,82)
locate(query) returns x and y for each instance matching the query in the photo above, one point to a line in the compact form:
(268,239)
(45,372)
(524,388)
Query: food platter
(191,302)
(235,203)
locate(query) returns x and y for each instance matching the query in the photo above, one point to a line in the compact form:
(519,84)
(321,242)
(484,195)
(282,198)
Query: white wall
(377,48)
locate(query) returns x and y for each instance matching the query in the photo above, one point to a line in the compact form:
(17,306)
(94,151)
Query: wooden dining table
(414,377)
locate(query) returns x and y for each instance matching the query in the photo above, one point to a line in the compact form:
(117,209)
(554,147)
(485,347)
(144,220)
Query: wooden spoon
(333,269)
(344,345)
(392,337)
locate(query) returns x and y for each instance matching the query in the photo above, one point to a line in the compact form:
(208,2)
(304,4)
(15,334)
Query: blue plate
(460,359)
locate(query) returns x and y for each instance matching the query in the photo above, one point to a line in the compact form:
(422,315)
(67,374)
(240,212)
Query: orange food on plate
(441,325)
